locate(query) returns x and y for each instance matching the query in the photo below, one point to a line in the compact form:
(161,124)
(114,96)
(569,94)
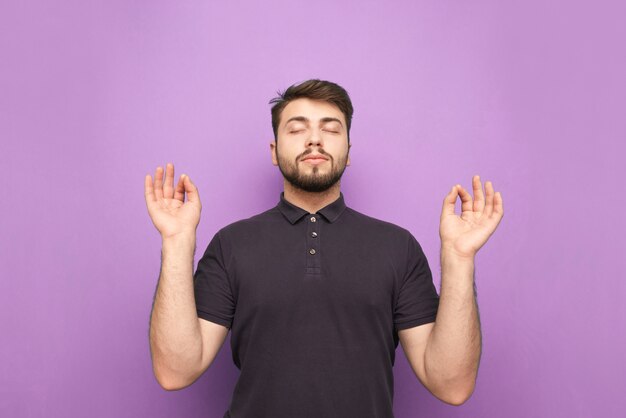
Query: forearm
(175,338)
(453,352)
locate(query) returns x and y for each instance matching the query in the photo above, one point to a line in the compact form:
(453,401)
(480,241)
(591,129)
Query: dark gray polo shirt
(314,302)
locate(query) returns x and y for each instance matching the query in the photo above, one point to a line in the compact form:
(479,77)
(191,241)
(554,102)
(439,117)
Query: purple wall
(95,95)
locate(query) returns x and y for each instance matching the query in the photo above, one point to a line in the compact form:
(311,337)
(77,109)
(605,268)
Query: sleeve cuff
(215,319)
(416,322)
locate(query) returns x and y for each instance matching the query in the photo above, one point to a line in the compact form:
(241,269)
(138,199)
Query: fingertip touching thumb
(188,183)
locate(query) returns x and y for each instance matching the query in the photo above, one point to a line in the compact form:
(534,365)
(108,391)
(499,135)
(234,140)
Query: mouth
(315,161)
(315,156)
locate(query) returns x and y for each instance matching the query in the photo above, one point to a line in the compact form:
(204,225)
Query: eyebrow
(304,119)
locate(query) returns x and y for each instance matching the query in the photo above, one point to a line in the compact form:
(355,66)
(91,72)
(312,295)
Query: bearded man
(316,295)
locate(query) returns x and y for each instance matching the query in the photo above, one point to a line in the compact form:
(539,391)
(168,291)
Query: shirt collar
(294,213)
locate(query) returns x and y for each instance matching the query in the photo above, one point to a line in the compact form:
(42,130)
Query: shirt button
(312,251)
(313,219)
(313,234)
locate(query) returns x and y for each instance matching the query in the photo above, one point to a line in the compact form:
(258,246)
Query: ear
(273,146)
(348,160)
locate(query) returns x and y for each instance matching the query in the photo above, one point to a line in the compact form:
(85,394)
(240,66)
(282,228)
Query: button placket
(313,264)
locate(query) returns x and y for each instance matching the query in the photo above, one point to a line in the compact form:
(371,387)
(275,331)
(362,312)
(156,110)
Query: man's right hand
(170,214)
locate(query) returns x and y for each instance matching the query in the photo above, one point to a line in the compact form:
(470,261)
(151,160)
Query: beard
(314,182)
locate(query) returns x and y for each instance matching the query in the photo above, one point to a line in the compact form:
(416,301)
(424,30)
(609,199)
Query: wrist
(450,252)
(180,239)
(452,259)
(457,273)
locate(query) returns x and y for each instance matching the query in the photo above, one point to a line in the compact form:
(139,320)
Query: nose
(315,138)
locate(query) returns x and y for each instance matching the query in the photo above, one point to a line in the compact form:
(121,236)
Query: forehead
(311,109)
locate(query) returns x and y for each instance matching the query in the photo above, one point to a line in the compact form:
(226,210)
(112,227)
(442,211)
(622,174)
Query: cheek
(287,153)
(339,151)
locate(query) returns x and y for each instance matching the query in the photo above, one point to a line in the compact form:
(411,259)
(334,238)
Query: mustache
(319,151)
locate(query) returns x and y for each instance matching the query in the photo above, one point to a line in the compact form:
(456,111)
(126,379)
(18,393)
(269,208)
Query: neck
(311,201)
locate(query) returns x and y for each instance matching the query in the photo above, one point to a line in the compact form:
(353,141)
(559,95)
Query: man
(316,294)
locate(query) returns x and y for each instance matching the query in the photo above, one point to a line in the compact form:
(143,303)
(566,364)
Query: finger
(179,193)
(449,202)
(466,199)
(149,190)
(168,185)
(192,190)
(489,202)
(158,183)
(479,198)
(498,206)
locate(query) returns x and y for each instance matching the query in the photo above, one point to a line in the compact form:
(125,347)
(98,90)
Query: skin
(297,139)
(444,355)
(182,346)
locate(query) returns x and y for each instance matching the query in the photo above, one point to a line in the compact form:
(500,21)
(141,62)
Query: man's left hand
(464,235)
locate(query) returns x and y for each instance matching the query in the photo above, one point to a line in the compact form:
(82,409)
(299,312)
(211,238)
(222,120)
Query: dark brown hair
(313,89)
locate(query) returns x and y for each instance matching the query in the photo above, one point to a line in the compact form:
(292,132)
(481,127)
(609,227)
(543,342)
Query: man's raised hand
(464,235)
(170,213)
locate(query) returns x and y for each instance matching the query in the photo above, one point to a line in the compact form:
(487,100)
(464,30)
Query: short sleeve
(417,300)
(212,288)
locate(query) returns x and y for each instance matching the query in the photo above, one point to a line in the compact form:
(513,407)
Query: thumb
(449,202)
(191,190)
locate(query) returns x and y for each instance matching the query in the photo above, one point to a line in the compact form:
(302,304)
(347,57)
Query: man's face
(311,127)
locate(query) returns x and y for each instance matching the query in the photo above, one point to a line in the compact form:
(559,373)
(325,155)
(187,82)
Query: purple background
(95,95)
